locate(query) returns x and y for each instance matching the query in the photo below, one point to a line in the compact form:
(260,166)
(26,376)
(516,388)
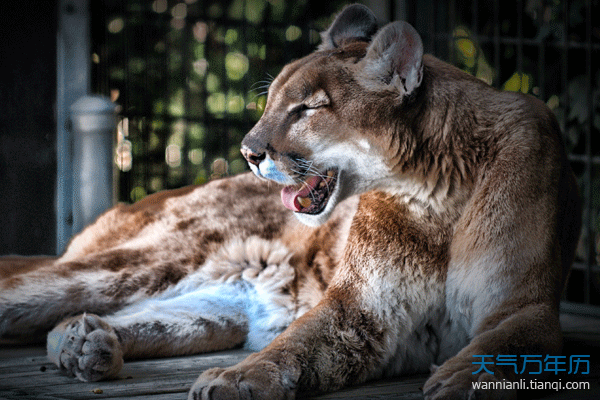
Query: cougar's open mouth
(312,195)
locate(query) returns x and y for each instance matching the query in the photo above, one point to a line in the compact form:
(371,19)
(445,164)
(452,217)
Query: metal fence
(551,50)
(190,77)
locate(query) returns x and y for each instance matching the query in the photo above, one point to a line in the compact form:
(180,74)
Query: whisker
(263,88)
(307,168)
(264,82)
(259,94)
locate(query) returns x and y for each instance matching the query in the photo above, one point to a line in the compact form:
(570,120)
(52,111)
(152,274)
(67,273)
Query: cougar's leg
(93,348)
(530,330)
(211,318)
(240,295)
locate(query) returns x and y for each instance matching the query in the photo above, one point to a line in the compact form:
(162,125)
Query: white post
(93,119)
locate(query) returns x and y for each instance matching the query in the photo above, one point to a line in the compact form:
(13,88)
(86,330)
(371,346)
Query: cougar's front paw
(445,384)
(257,381)
(86,347)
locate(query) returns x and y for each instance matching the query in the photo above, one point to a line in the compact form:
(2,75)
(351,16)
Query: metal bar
(475,33)
(432,26)
(584,266)
(145,123)
(392,7)
(484,39)
(588,153)
(541,61)
(475,19)
(565,64)
(451,27)
(520,39)
(144,128)
(584,158)
(224,143)
(578,308)
(497,40)
(185,72)
(245,84)
(73,81)
(203,120)
(167,95)
(212,121)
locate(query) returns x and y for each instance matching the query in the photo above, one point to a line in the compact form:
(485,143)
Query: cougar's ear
(354,22)
(394,59)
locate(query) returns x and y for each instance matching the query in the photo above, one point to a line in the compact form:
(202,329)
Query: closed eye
(298,109)
(301,110)
(309,104)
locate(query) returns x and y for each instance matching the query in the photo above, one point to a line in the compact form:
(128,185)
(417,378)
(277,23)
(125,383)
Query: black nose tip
(251,156)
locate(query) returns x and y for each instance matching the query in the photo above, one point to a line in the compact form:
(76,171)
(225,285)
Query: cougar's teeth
(330,174)
(322,184)
(304,202)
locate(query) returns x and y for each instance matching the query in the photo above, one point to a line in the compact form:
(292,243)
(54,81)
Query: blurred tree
(191,78)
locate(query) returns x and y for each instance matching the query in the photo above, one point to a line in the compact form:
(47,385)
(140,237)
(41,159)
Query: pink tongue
(290,194)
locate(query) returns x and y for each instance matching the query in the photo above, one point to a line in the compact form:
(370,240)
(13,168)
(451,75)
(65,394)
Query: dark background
(27,126)
(190,79)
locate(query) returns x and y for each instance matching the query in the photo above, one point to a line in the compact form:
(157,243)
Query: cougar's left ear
(355,22)
(394,59)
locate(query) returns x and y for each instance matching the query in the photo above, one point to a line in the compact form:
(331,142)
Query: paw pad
(86,347)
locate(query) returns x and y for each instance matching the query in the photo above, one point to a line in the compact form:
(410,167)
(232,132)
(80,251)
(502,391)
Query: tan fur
(448,228)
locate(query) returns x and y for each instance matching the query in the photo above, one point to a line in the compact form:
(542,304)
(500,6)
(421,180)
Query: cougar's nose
(251,156)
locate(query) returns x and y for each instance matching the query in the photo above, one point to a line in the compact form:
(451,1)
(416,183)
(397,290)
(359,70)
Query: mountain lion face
(326,130)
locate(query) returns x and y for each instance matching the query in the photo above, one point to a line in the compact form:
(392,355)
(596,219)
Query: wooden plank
(161,396)
(12,352)
(23,365)
(138,378)
(132,369)
(168,379)
(405,388)
(25,373)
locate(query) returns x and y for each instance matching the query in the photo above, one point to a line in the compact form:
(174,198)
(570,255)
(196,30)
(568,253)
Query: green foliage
(191,77)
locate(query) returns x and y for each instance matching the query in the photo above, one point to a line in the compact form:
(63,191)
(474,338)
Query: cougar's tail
(12,266)
(12,271)
(36,293)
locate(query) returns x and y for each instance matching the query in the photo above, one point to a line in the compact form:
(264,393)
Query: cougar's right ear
(355,22)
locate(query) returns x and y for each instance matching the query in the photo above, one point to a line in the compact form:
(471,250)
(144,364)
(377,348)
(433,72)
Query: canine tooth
(330,174)
(322,184)
(304,202)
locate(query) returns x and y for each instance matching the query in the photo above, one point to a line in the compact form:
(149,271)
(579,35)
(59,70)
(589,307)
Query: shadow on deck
(26,374)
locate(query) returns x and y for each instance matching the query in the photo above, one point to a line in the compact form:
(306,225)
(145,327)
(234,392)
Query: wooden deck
(26,374)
